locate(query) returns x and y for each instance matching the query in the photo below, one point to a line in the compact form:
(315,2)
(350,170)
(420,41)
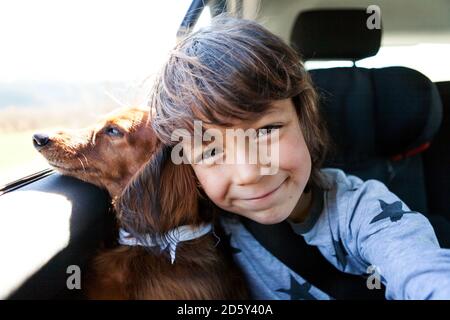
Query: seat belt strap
(307,261)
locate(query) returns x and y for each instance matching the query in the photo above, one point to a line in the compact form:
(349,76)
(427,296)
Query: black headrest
(378,112)
(335,35)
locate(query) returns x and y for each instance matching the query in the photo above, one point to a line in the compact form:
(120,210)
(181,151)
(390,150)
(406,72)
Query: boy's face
(267,199)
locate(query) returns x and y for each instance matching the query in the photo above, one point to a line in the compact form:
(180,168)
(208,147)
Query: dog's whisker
(84,169)
(85,158)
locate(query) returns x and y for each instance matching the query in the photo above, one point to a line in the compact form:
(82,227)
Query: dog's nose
(40,140)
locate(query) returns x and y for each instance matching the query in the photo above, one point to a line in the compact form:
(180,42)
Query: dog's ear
(160,197)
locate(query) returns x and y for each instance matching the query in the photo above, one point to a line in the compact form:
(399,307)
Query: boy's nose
(247,174)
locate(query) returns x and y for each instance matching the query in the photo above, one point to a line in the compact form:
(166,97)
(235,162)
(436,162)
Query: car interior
(390,123)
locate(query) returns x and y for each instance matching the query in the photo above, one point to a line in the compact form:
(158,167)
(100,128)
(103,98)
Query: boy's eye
(210,153)
(267,130)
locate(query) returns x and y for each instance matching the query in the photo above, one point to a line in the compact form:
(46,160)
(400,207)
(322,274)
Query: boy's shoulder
(337,178)
(360,208)
(358,203)
(343,185)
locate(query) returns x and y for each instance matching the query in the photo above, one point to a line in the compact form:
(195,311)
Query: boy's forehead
(275,108)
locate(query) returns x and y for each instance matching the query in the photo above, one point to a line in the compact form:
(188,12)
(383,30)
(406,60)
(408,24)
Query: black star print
(227,239)
(298,291)
(341,254)
(393,211)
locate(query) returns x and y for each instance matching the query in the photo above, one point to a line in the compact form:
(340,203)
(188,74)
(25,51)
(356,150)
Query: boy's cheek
(294,155)
(212,183)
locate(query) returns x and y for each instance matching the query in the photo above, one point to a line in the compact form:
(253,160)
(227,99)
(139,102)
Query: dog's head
(106,154)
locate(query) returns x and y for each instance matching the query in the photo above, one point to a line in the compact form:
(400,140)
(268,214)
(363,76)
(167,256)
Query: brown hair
(232,70)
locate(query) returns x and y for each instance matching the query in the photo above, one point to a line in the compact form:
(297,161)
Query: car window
(204,19)
(64,63)
(424,57)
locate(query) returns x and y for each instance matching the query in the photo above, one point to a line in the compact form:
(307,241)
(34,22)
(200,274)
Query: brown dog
(152,197)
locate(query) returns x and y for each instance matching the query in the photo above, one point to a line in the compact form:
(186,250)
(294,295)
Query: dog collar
(169,239)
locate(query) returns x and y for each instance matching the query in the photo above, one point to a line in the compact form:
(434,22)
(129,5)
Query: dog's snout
(40,140)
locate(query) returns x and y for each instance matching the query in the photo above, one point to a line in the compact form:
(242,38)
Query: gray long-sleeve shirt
(359,227)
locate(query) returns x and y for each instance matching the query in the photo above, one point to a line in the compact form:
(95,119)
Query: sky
(86,41)
(127,40)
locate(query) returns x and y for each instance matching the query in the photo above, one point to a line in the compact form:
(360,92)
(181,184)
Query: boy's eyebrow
(205,135)
(270,110)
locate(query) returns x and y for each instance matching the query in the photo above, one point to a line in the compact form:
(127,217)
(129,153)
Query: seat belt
(306,260)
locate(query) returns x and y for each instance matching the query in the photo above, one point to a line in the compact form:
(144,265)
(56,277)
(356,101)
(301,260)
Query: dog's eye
(113,132)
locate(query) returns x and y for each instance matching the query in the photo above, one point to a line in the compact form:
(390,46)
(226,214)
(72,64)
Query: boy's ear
(160,196)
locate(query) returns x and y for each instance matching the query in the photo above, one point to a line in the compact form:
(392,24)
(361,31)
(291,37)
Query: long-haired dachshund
(169,249)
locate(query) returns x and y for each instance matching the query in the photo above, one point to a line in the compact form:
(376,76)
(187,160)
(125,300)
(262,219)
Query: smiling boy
(236,74)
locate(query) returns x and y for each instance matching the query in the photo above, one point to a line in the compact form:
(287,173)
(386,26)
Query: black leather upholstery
(376,116)
(55,222)
(335,35)
(437,161)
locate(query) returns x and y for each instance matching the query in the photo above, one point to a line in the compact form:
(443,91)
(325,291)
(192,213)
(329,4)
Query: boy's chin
(267,218)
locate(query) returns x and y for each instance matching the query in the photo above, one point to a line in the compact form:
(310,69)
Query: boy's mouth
(265,195)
